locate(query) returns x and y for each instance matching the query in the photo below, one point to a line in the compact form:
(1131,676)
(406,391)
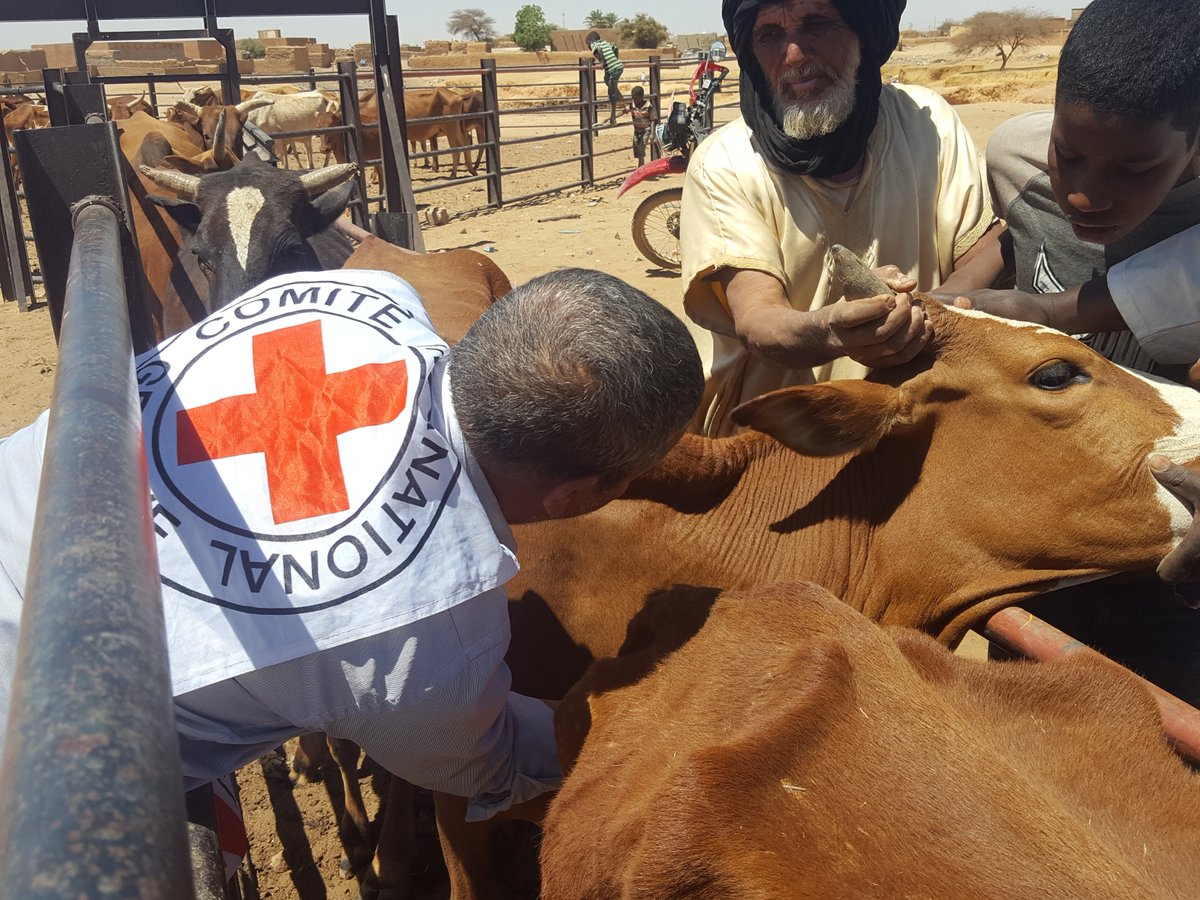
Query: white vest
(305,491)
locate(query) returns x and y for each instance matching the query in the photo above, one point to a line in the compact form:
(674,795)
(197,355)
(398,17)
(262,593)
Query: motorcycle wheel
(656,227)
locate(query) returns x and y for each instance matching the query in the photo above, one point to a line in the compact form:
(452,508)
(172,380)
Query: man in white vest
(331,494)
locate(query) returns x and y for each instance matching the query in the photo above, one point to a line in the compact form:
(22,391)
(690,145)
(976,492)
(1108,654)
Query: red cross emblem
(294,419)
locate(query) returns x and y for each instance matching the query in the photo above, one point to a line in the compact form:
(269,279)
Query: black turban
(877,24)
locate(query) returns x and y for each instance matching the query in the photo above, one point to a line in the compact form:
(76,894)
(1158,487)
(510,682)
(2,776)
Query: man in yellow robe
(823,154)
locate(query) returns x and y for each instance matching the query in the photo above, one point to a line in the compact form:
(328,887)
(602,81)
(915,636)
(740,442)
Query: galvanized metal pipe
(1025,634)
(92,798)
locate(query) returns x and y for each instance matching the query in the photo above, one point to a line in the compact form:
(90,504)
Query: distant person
(644,115)
(1101,195)
(823,154)
(609,57)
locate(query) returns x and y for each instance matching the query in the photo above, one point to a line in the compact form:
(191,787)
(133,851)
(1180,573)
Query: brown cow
(1003,461)
(456,285)
(123,106)
(201,121)
(16,117)
(473,129)
(776,743)
(418,104)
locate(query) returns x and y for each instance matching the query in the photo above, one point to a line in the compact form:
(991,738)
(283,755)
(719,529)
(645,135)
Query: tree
(599,19)
(251,49)
(946,25)
(531,31)
(643,31)
(1008,32)
(473,24)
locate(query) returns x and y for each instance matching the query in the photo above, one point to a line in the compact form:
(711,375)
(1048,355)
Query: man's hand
(879,331)
(1007,304)
(1184,561)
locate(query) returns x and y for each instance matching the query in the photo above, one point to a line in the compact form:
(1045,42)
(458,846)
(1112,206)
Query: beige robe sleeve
(964,209)
(730,219)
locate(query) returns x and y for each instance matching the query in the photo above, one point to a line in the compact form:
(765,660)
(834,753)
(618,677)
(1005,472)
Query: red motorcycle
(656,220)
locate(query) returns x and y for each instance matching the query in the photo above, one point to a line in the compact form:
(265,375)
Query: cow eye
(1057,375)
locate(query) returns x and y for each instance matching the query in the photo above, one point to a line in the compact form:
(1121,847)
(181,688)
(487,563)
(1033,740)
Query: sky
(421,20)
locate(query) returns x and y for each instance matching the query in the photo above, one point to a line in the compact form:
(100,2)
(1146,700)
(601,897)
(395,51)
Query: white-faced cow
(1004,461)
(222,233)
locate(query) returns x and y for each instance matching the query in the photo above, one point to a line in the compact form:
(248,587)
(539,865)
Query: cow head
(1021,442)
(255,221)
(206,121)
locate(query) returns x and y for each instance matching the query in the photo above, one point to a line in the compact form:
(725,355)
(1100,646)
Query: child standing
(644,115)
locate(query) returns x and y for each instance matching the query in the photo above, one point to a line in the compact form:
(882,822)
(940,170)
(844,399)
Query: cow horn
(248,105)
(219,136)
(195,108)
(858,281)
(185,186)
(319,181)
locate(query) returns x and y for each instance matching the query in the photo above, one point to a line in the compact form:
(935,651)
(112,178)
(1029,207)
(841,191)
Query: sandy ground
(587,227)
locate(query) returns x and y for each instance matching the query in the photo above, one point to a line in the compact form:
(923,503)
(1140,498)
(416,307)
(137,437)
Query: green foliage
(473,24)
(599,19)
(643,31)
(249,48)
(531,31)
(1008,32)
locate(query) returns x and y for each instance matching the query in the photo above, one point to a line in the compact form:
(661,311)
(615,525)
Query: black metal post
(587,111)
(15,279)
(91,780)
(385,40)
(656,99)
(56,103)
(348,85)
(491,131)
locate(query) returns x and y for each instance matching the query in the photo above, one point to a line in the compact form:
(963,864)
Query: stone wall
(58,56)
(22,60)
(282,61)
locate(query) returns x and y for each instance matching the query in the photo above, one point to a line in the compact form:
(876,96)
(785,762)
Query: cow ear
(327,208)
(186,213)
(827,419)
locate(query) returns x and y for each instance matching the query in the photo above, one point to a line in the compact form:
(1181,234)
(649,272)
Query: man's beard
(807,119)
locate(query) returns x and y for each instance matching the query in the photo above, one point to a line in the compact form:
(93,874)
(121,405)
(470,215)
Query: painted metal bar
(1023,633)
(91,780)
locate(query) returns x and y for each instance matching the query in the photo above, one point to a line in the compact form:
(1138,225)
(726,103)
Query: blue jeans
(611,79)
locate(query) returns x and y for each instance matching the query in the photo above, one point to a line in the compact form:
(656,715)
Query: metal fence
(91,769)
(564,100)
(561,109)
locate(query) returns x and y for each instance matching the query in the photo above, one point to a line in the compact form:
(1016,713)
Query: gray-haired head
(575,373)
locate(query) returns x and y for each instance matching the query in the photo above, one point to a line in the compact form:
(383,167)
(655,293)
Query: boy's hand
(1183,562)
(1006,304)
